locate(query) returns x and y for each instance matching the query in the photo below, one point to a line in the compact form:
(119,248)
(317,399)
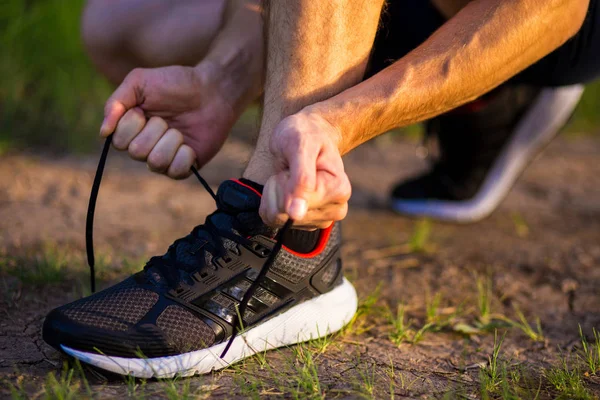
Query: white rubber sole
(312,319)
(539,126)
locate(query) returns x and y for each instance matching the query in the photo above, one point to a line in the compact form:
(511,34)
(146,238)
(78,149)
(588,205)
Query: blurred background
(51,97)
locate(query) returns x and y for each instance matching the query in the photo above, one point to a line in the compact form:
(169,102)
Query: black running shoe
(483,148)
(176,316)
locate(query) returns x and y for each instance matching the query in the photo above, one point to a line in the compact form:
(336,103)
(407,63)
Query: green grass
(567,380)
(46,266)
(521,226)
(50,95)
(590,352)
(401,329)
(533,332)
(484,299)
(50,263)
(419,239)
(491,375)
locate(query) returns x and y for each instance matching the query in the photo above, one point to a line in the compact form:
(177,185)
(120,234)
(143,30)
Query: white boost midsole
(547,116)
(312,319)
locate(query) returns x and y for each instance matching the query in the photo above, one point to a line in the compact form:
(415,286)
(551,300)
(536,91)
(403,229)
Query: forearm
(485,44)
(237,50)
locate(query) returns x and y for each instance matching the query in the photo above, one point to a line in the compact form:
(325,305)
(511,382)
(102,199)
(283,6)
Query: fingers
(141,146)
(128,127)
(151,141)
(124,98)
(327,204)
(272,202)
(302,182)
(164,151)
(182,163)
(299,153)
(162,148)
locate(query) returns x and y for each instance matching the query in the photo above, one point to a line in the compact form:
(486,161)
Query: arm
(237,52)
(485,44)
(172,117)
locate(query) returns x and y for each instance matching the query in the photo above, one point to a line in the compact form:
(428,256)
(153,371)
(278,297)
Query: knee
(97,33)
(104,40)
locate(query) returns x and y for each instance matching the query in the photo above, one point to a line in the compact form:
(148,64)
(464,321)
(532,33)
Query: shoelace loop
(89,241)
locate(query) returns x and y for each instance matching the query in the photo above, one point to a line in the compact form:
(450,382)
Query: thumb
(303,179)
(125,97)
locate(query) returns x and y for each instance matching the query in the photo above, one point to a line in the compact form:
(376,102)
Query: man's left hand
(310,185)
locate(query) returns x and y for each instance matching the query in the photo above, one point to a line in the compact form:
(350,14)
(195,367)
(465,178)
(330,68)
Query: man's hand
(170,117)
(311,186)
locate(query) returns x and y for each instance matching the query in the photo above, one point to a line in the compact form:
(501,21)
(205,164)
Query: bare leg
(315,50)
(121,35)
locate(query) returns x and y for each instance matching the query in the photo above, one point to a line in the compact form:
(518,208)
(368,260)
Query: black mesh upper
(294,268)
(116,308)
(184,330)
(113,311)
(151,314)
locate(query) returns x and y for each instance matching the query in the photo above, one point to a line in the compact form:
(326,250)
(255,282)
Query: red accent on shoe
(247,186)
(323,239)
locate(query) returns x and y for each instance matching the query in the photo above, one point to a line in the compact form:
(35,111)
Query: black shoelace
(167,268)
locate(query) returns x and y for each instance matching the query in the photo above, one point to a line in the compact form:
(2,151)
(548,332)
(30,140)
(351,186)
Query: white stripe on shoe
(314,318)
(549,113)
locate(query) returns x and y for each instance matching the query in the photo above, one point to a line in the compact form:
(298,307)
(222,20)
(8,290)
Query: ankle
(260,167)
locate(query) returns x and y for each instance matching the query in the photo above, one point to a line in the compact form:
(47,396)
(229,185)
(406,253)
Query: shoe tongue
(234,196)
(239,202)
(237,211)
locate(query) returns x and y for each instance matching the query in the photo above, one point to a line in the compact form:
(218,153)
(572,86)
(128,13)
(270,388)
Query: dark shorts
(406,24)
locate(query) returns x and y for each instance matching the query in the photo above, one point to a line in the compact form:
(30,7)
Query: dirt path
(540,251)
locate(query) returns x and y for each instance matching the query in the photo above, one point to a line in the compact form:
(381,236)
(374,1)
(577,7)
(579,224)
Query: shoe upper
(469,141)
(187,299)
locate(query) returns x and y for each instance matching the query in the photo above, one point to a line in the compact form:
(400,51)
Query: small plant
(175,391)
(306,375)
(135,387)
(521,226)
(17,391)
(591,353)
(403,331)
(322,343)
(250,386)
(400,328)
(367,382)
(484,299)
(390,372)
(64,387)
(432,306)
(419,240)
(366,307)
(491,375)
(568,381)
(534,334)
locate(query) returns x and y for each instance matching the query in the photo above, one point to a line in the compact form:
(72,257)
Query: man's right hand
(170,117)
